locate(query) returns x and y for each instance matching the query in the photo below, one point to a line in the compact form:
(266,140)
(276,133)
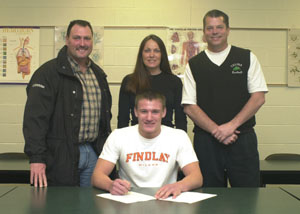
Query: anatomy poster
(183,44)
(19,53)
(294,58)
(97,53)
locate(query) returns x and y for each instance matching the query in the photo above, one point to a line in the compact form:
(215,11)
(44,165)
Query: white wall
(260,25)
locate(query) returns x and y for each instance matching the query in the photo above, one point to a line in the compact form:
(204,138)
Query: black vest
(222,91)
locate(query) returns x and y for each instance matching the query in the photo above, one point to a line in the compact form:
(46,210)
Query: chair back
(283,156)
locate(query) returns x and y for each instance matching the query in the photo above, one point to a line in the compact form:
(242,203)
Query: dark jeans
(238,162)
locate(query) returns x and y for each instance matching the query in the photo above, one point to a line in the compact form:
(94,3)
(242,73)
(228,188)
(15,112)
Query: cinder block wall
(261,26)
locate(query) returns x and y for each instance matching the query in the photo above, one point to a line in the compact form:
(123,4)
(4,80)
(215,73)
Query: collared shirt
(91,106)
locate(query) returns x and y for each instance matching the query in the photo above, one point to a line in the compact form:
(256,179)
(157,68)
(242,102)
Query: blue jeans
(87,163)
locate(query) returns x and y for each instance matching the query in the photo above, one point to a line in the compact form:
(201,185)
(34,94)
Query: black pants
(238,162)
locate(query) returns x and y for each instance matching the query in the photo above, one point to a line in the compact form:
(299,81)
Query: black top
(167,84)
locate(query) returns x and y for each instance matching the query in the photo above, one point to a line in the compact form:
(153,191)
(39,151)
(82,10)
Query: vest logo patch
(236,68)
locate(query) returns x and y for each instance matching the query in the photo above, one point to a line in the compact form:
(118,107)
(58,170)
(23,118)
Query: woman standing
(152,71)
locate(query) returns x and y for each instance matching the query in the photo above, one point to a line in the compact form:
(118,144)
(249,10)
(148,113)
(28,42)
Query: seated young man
(148,154)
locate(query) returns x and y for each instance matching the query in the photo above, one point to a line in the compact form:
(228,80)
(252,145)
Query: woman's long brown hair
(139,79)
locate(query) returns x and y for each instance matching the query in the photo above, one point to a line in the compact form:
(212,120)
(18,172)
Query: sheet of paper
(131,197)
(190,197)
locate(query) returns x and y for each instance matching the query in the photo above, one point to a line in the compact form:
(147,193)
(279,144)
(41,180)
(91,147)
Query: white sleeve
(111,150)
(256,79)
(186,153)
(189,87)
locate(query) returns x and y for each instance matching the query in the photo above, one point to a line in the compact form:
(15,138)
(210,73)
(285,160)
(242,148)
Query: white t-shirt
(149,162)
(256,79)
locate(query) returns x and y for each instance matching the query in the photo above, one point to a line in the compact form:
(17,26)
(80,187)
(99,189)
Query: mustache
(82,47)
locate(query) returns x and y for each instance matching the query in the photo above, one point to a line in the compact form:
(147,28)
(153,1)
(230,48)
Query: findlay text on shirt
(147,156)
